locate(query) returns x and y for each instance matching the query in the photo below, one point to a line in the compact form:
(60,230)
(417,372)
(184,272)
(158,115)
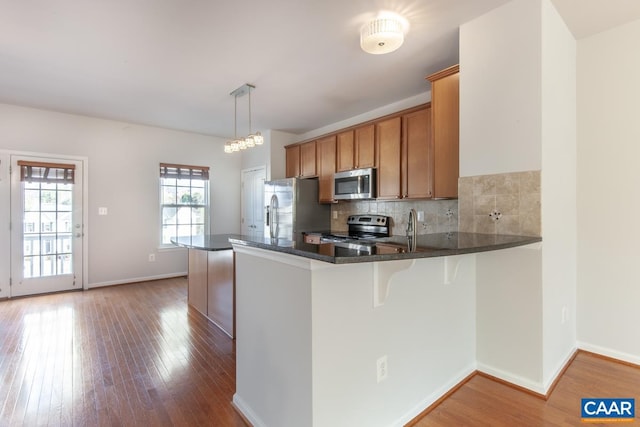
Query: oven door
(355,184)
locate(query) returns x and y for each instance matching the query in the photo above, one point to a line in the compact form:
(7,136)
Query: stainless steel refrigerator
(292,208)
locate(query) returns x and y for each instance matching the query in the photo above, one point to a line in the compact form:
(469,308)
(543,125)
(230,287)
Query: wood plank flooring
(119,356)
(485,402)
(135,355)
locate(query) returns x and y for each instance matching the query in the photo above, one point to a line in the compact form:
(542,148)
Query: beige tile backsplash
(440,216)
(495,204)
(500,204)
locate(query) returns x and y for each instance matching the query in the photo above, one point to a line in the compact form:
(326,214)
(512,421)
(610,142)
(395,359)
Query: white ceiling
(173,63)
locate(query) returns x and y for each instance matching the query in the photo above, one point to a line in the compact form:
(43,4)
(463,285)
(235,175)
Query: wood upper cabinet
(388,148)
(292,161)
(365,152)
(326,162)
(308,159)
(356,148)
(405,160)
(417,157)
(301,160)
(445,112)
(345,159)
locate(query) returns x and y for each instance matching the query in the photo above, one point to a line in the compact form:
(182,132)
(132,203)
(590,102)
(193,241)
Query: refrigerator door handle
(267,215)
(273,226)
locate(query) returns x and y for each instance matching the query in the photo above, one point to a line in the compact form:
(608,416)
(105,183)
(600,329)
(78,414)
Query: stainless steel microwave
(355,184)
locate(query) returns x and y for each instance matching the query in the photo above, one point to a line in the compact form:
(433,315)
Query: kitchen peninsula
(335,336)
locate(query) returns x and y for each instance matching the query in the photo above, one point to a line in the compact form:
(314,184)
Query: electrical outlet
(420,216)
(335,214)
(152,257)
(382,369)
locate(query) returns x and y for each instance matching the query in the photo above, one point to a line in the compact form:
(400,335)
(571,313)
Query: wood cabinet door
(292,161)
(365,143)
(417,161)
(197,285)
(308,159)
(345,151)
(221,290)
(388,145)
(446,134)
(326,156)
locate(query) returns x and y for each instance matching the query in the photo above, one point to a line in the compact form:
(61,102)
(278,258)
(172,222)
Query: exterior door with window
(46,225)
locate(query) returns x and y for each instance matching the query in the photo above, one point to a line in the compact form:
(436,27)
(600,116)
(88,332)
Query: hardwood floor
(118,356)
(485,402)
(135,355)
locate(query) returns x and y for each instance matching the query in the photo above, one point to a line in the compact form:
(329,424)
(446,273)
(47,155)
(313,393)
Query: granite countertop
(391,248)
(210,242)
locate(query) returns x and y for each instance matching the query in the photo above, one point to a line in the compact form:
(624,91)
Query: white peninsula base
(310,333)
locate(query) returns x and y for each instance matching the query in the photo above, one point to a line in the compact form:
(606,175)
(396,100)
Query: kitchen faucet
(412,229)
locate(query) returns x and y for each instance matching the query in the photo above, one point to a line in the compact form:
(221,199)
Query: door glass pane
(64,201)
(47,229)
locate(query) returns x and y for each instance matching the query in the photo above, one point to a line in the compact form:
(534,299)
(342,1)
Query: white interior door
(46,225)
(252,223)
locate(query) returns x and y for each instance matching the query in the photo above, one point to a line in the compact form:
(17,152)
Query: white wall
(500,84)
(412,101)
(558,192)
(271,154)
(509,315)
(123,163)
(279,140)
(517,113)
(608,195)
(426,328)
(309,337)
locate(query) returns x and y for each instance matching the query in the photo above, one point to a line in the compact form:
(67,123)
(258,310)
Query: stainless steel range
(363,232)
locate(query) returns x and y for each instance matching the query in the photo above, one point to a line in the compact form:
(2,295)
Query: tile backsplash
(440,216)
(506,203)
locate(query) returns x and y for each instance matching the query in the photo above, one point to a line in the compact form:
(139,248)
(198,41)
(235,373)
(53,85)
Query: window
(184,201)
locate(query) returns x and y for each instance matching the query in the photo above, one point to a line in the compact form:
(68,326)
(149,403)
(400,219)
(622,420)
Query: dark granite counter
(392,248)
(211,242)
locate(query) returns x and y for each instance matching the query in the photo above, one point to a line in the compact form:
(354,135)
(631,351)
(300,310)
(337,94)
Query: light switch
(102,211)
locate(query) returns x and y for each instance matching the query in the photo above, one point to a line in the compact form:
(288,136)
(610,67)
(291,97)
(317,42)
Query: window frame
(172,175)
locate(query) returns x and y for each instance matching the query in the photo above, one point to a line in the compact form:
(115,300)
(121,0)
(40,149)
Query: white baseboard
(246,411)
(535,386)
(614,354)
(135,279)
(433,397)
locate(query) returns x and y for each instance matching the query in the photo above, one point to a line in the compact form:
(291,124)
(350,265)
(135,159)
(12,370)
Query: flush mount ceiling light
(382,35)
(251,140)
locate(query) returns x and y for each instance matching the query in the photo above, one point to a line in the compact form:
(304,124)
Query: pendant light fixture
(251,140)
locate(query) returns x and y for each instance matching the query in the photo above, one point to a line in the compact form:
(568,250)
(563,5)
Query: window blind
(46,172)
(184,171)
